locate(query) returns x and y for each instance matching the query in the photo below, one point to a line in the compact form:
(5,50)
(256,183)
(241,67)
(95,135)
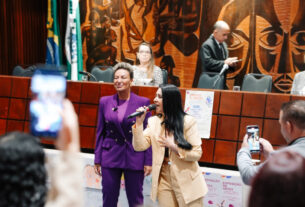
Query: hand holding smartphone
(48,89)
(236,61)
(253,138)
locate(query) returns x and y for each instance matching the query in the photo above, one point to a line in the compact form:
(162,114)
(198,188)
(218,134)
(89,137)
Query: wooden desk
(231,113)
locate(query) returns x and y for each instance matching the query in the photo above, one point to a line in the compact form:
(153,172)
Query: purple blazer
(113,146)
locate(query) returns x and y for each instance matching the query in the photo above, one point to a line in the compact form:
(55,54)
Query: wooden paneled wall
(23,32)
(232,111)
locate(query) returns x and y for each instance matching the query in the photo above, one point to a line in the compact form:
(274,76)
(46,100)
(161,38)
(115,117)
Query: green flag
(73,45)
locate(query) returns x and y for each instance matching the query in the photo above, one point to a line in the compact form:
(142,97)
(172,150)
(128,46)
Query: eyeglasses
(144,52)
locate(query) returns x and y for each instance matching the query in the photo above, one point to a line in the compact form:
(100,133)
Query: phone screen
(48,89)
(253,138)
(236,61)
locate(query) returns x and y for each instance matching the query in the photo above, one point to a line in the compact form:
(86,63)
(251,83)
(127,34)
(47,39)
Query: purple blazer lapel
(114,105)
(130,109)
(132,103)
(132,106)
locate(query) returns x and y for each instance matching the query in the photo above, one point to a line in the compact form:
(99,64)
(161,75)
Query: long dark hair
(174,114)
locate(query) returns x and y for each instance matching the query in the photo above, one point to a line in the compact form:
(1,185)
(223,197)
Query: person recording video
(176,146)
(292,123)
(23,177)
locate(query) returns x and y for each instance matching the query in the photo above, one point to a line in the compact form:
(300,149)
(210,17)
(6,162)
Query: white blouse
(140,77)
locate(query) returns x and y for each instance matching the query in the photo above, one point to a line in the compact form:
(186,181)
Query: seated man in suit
(214,53)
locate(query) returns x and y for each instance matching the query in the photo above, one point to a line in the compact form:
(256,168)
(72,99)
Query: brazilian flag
(54,54)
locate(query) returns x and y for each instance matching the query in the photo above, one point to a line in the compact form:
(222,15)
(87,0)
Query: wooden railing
(232,111)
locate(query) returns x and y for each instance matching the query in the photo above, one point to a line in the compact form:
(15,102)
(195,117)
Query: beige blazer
(184,165)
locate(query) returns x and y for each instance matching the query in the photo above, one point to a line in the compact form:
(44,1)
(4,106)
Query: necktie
(222,52)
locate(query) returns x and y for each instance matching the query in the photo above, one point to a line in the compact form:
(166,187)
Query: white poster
(199,104)
(224,191)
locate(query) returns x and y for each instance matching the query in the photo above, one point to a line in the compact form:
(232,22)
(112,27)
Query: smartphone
(253,138)
(236,61)
(48,89)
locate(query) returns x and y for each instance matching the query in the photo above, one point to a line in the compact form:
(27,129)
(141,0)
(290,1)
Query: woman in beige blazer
(176,177)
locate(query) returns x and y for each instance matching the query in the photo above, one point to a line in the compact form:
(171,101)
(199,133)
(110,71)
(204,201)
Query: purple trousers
(111,183)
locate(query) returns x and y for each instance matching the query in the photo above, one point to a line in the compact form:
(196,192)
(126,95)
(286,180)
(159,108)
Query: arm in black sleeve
(209,60)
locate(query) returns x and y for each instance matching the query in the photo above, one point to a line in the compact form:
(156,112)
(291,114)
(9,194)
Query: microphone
(83,72)
(88,74)
(138,113)
(223,70)
(219,75)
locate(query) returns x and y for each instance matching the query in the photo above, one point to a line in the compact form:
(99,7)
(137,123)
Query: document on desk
(199,104)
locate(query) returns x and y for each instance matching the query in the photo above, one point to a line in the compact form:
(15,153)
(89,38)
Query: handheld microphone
(138,113)
(88,74)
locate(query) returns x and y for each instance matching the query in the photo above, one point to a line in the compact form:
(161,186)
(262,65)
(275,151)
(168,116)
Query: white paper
(224,191)
(199,104)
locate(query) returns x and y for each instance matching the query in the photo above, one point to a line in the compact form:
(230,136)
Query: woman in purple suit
(114,153)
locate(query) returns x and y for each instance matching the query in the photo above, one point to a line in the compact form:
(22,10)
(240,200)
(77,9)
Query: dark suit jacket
(211,56)
(113,147)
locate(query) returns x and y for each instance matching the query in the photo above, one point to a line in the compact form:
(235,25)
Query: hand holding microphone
(142,110)
(141,113)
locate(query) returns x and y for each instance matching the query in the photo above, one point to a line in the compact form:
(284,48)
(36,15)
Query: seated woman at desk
(298,85)
(145,70)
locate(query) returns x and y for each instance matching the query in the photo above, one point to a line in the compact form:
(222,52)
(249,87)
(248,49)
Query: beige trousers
(169,194)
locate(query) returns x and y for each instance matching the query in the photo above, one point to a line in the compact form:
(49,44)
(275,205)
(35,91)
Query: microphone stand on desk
(215,82)
(223,70)
(88,74)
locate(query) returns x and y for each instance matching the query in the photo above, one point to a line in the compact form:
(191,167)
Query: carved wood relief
(269,35)
(113,29)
